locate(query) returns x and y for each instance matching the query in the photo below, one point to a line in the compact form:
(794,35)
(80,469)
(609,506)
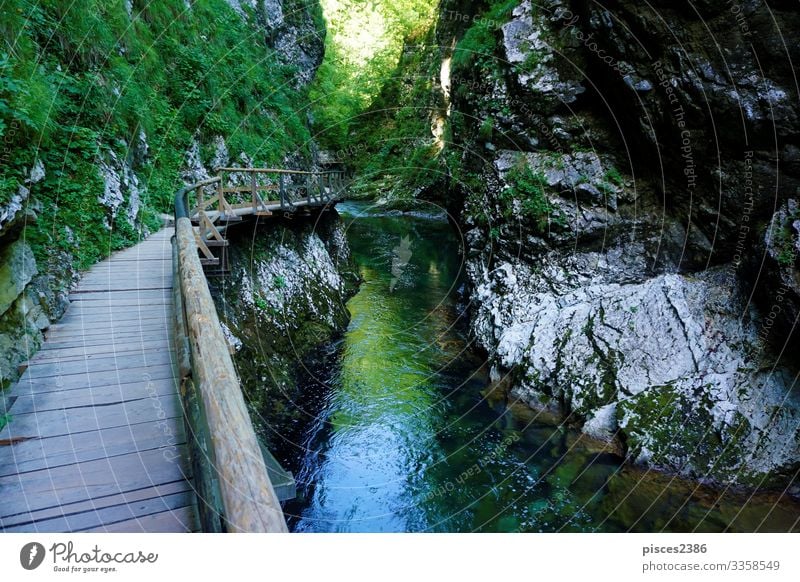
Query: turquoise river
(405,438)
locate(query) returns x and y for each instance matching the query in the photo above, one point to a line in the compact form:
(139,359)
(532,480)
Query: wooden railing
(231,478)
(236,192)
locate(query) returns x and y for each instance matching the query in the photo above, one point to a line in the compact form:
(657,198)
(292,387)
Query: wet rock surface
(639,279)
(284,297)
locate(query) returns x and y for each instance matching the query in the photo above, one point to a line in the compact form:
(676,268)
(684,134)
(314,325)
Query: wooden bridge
(131,417)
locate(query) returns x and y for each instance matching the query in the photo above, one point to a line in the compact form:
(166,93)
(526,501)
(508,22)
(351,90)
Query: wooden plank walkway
(102,445)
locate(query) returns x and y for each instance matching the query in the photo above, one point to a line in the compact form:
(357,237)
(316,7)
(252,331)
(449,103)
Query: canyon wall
(626,179)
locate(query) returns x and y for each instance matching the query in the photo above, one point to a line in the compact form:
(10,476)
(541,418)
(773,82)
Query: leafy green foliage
(784,243)
(261,303)
(364,44)
(486,130)
(478,45)
(526,196)
(532,60)
(613,176)
(78,76)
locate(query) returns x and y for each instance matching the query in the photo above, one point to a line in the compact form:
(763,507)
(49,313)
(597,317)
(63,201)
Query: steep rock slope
(284,297)
(628,177)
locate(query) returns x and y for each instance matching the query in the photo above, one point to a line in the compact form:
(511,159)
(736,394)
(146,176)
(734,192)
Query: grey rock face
(194,169)
(121,187)
(11,213)
(630,281)
(530,49)
(21,316)
(290,30)
(285,295)
(17,268)
(635,359)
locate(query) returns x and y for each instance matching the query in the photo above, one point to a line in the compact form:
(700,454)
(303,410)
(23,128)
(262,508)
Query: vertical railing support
(254,191)
(220,194)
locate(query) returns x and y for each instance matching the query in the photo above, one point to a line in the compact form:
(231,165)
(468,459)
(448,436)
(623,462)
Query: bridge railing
(261,189)
(231,479)
(235,192)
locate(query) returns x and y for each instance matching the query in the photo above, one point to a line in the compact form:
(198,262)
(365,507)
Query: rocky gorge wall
(626,177)
(284,297)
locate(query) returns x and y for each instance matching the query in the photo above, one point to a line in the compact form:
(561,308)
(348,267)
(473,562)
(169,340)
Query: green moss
(261,303)
(486,130)
(478,45)
(785,246)
(681,435)
(613,176)
(531,61)
(84,76)
(527,191)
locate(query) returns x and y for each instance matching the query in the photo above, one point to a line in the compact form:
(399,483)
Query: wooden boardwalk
(97,439)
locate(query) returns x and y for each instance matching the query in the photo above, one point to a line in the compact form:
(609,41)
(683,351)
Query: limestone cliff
(284,297)
(626,176)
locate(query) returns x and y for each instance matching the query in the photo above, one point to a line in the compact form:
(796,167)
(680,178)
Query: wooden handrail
(231,477)
(275,171)
(247,497)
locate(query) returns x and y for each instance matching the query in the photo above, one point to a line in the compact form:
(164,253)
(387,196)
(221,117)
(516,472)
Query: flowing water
(404,439)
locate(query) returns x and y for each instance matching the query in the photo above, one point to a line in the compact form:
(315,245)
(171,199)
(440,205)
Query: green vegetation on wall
(404,130)
(78,77)
(397,128)
(526,196)
(364,44)
(476,48)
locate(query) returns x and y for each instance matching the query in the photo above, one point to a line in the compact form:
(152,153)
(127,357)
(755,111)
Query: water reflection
(406,441)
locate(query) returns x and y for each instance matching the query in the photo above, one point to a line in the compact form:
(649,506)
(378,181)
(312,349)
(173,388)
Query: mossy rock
(667,428)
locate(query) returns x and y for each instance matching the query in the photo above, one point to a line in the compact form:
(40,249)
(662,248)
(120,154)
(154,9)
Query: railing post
(220,193)
(254,191)
(282,190)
